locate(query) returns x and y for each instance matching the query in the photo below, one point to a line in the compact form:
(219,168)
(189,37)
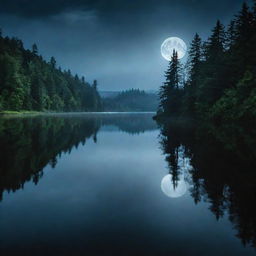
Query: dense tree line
(220,74)
(28,82)
(132,100)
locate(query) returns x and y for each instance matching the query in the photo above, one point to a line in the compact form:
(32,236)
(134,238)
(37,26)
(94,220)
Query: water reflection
(100,192)
(28,144)
(175,184)
(219,168)
(173,190)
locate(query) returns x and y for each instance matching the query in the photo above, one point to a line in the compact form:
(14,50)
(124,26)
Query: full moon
(169,190)
(173,43)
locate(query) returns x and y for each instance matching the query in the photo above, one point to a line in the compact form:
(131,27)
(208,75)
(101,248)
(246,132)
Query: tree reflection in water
(221,170)
(28,144)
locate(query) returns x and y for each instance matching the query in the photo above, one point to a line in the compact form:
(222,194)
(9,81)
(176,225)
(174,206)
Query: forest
(218,81)
(28,82)
(133,100)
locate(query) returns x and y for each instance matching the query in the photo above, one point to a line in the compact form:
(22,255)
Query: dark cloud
(43,8)
(116,41)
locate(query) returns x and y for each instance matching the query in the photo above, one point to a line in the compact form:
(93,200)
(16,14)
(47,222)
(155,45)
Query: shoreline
(8,113)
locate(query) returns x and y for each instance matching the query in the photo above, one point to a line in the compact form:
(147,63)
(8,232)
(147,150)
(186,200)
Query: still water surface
(116,184)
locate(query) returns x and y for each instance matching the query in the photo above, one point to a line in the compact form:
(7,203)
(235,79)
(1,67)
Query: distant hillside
(28,82)
(108,94)
(131,101)
(112,94)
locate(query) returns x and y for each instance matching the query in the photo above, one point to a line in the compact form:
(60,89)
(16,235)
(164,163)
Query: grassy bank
(23,112)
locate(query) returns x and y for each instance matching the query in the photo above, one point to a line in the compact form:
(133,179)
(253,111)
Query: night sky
(116,42)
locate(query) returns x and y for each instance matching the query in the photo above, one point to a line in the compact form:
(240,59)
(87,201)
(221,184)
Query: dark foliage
(27,82)
(170,92)
(221,75)
(131,101)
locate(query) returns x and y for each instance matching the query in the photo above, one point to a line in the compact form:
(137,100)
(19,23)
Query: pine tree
(243,24)
(230,35)
(173,73)
(95,84)
(53,62)
(34,49)
(214,47)
(193,70)
(212,84)
(195,58)
(243,51)
(169,93)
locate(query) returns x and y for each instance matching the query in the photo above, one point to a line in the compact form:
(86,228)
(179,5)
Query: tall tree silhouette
(231,35)
(170,92)
(212,87)
(193,70)
(34,49)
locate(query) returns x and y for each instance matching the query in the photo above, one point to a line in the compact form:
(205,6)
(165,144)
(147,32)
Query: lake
(117,184)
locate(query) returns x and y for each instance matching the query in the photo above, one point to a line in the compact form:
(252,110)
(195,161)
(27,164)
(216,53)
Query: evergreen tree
(53,62)
(214,47)
(244,24)
(195,58)
(170,91)
(231,35)
(95,84)
(212,84)
(34,49)
(244,34)
(193,70)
